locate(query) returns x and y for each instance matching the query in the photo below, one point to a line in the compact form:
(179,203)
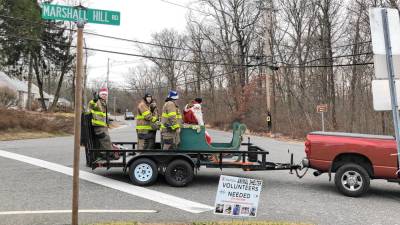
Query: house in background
(21,88)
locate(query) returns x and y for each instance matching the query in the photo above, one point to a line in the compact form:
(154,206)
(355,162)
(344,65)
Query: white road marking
(166,199)
(70,211)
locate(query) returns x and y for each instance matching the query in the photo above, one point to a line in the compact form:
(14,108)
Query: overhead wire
(132,54)
(186,7)
(180,60)
(120,38)
(191,61)
(188,49)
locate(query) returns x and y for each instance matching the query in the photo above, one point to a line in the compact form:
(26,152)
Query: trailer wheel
(352,180)
(179,173)
(143,172)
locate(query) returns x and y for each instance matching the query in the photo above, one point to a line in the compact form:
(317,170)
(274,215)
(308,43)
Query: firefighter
(147,123)
(155,126)
(171,122)
(98,109)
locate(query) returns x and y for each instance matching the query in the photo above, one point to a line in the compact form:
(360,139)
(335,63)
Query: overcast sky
(139,19)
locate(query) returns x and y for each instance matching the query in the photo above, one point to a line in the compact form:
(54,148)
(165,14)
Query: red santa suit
(192,114)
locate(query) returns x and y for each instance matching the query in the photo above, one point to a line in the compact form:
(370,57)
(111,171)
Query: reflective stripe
(146,113)
(179,116)
(154,119)
(99,123)
(144,127)
(168,115)
(140,117)
(98,113)
(176,126)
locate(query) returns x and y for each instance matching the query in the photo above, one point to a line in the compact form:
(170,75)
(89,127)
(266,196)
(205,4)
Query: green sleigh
(193,138)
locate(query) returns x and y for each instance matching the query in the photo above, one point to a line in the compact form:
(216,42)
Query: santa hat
(173,95)
(103,91)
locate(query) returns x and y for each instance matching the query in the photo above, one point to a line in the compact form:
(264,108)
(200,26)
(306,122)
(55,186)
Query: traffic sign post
(77,124)
(322,109)
(385,27)
(80,15)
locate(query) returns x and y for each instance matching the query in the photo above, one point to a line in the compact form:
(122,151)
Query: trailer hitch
(297,168)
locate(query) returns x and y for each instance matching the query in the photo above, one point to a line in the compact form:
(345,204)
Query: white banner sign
(237,196)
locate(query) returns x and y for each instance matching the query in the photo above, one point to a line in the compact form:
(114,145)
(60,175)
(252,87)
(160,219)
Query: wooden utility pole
(77,123)
(29,102)
(268,11)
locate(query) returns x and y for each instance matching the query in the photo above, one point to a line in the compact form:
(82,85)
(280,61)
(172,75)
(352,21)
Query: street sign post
(80,15)
(323,108)
(70,13)
(385,28)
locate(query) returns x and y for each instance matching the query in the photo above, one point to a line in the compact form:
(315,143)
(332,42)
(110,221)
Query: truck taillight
(308,147)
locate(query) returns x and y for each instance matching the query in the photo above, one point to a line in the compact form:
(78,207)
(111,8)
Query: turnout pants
(170,140)
(103,137)
(146,140)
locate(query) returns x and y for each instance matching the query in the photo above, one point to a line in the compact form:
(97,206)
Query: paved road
(25,187)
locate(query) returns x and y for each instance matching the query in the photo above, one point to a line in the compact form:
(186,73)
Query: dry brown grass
(16,124)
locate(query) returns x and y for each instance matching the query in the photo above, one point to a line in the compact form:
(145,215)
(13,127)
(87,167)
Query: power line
(139,42)
(324,66)
(188,61)
(192,50)
(186,7)
(122,39)
(185,83)
(333,47)
(132,54)
(333,57)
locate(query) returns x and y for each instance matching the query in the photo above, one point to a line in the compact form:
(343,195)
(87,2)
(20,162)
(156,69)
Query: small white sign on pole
(237,196)
(381,94)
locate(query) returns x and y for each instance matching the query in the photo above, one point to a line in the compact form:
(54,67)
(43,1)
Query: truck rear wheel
(143,172)
(352,180)
(179,173)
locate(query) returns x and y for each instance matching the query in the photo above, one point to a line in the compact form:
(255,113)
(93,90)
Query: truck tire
(352,180)
(143,172)
(179,173)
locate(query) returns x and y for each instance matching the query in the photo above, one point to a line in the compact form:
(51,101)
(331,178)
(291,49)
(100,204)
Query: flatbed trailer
(178,166)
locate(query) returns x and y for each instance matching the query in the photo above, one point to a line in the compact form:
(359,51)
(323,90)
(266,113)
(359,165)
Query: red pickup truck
(354,158)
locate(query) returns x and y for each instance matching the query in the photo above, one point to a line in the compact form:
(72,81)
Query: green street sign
(69,13)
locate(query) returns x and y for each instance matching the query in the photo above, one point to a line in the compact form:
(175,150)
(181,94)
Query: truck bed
(354,135)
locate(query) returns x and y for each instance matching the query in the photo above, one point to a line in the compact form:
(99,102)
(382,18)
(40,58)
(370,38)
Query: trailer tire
(143,172)
(352,180)
(179,173)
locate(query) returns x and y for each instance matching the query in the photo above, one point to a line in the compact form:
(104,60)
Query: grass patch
(17,124)
(208,223)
